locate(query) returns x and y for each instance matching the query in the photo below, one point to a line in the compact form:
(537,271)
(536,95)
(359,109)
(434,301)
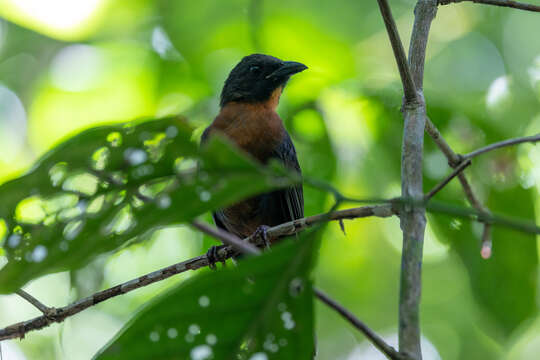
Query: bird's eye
(255,69)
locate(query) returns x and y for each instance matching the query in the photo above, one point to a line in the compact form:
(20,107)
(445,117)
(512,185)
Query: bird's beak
(287,69)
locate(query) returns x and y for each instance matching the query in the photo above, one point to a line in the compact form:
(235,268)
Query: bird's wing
(292,198)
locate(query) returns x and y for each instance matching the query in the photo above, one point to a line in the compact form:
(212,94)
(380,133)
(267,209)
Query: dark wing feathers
(292,198)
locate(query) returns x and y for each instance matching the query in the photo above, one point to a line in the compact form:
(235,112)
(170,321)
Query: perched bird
(248,117)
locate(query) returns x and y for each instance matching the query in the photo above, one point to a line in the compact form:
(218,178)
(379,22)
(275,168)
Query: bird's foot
(262,234)
(213,256)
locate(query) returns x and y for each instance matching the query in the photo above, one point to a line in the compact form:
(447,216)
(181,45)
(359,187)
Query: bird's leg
(262,234)
(213,256)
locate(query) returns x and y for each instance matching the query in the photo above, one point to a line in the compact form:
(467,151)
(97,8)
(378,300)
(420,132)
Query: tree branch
(503,3)
(375,339)
(32,300)
(227,238)
(409,88)
(443,183)
(379,343)
(486,242)
(58,315)
(500,144)
(413,220)
(454,160)
(392,207)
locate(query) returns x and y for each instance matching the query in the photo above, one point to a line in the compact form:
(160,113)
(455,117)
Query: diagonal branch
(409,89)
(392,207)
(58,315)
(500,144)
(375,339)
(503,3)
(379,343)
(443,183)
(454,160)
(32,300)
(413,220)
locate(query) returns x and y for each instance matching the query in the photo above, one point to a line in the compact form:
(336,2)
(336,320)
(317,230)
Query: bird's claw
(213,256)
(262,234)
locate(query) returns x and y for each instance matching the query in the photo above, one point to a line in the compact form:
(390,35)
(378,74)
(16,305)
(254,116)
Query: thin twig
(454,160)
(19,330)
(483,217)
(392,208)
(500,144)
(409,88)
(443,183)
(386,349)
(486,242)
(226,237)
(503,3)
(375,339)
(32,300)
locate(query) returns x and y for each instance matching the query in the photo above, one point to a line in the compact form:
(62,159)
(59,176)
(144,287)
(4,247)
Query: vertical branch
(413,223)
(413,220)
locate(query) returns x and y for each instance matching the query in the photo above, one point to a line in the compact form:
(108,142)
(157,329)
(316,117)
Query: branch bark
(392,207)
(443,183)
(35,302)
(454,160)
(503,3)
(58,315)
(500,144)
(413,220)
(375,339)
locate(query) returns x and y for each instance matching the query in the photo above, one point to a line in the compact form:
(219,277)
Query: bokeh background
(69,65)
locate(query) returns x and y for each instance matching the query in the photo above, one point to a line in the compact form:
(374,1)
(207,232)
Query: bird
(248,118)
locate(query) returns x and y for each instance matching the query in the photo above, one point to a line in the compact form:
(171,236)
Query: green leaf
(111,184)
(264,306)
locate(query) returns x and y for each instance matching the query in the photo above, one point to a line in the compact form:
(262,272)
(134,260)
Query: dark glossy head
(256,77)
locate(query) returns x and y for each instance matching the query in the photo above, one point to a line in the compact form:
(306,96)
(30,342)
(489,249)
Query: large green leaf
(108,185)
(262,309)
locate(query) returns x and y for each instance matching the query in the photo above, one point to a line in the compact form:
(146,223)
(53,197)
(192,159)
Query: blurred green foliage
(155,58)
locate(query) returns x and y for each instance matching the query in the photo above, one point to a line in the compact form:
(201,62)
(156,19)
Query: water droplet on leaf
(296,287)
(204,301)
(201,352)
(14,240)
(154,336)
(205,196)
(211,339)
(39,253)
(135,156)
(194,329)
(171,131)
(259,356)
(164,201)
(172,333)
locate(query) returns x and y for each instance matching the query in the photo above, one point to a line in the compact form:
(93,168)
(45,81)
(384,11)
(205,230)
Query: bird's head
(258,78)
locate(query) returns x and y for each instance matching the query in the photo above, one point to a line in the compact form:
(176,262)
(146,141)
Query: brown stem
(443,183)
(19,330)
(375,339)
(500,144)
